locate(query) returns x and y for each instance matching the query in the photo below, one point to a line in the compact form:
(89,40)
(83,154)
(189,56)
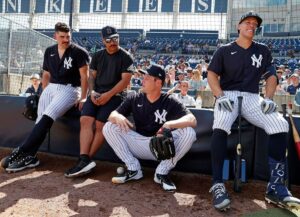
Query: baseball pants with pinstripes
(251,110)
(131,146)
(57,99)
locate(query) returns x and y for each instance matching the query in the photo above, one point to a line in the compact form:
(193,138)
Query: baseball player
(151,110)
(111,70)
(65,71)
(235,70)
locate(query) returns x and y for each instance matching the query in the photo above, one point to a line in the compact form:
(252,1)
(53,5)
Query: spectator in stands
(172,74)
(168,83)
(283,50)
(206,49)
(183,96)
(279,88)
(161,63)
(136,80)
(111,70)
(292,88)
(189,73)
(197,83)
(279,74)
(287,73)
(36,85)
(180,77)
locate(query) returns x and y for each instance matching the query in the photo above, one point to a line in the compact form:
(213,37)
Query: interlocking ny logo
(160,117)
(256,61)
(68,63)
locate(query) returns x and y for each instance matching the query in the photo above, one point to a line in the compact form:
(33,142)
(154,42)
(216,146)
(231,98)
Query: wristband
(218,97)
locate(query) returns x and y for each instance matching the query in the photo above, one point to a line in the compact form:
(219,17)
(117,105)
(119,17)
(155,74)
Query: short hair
(62,27)
(279,71)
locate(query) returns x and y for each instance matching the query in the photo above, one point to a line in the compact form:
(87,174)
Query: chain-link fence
(21,54)
(167,31)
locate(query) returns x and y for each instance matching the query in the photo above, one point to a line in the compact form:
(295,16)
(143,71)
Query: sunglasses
(109,40)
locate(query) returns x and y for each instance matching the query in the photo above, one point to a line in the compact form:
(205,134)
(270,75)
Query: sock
(218,154)
(85,158)
(277,146)
(37,135)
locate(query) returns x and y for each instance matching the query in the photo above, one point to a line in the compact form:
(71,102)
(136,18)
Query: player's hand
(95,96)
(268,106)
(224,103)
(123,122)
(104,98)
(80,103)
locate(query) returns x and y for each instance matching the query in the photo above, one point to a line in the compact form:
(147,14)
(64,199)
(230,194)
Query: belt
(67,84)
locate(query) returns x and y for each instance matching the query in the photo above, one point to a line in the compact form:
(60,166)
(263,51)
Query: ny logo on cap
(108,31)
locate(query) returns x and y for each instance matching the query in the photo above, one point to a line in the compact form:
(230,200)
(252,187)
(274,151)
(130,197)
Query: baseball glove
(162,145)
(31,106)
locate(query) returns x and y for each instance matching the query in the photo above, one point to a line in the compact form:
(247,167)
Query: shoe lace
(218,190)
(15,154)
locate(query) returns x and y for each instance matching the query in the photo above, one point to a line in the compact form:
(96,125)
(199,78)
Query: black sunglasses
(115,39)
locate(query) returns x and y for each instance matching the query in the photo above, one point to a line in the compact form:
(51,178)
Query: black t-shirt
(110,68)
(66,69)
(149,117)
(242,69)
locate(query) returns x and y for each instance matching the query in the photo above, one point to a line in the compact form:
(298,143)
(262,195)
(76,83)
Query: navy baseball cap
(155,71)
(251,14)
(109,32)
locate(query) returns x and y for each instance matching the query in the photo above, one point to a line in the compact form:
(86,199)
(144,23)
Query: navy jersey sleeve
(126,106)
(82,57)
(45,63)
(216,63)
(270,68)
(177,110)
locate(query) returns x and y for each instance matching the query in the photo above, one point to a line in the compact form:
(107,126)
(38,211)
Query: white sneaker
(165,182)
(127,176)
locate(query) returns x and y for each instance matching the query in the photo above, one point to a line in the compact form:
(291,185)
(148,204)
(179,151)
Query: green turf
(273,212)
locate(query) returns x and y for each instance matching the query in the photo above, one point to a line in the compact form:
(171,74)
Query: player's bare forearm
(84,75)
(45,79)
(214,83)
(121,85)
(188,120)
(271,84)
(119,119)
(91,80)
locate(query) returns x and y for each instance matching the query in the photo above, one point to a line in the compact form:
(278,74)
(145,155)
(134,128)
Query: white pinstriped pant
(130,145)
(56,100)
(251,110)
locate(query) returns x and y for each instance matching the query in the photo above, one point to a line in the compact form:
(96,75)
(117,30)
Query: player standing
(235,70)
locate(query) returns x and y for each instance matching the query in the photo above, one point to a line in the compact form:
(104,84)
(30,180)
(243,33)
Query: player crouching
(151,111)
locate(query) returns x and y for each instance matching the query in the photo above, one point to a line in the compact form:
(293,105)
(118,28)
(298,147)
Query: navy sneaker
(127,176)
(82,167)
(221,199)
(165,182)
(279,195)
(6,161)
(22,162)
